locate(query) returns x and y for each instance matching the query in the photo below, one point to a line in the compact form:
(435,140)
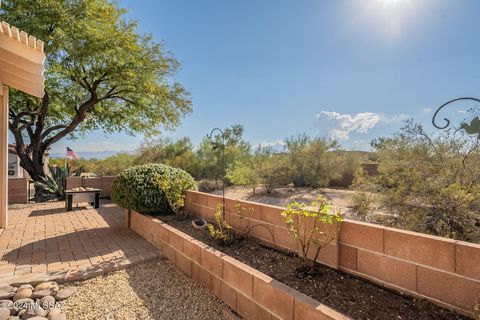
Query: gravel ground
(152,290)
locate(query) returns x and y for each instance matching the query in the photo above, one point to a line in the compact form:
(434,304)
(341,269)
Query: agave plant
(53,186)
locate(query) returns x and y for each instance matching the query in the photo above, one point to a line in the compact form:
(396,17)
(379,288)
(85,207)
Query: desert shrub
(363,204)
(221,231)
(313,161)
(152,188)
(313,226)
(430,181)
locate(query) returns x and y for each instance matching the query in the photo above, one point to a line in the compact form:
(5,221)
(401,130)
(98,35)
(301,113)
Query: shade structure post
(3,156)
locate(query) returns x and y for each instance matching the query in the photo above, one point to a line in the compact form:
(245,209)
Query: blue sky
(350,69)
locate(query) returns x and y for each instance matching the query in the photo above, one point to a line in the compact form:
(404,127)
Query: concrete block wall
(105,183)
(17,190)
(443,270)
(250,293)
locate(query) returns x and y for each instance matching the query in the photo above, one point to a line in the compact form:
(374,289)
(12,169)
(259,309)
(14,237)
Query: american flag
(71,154)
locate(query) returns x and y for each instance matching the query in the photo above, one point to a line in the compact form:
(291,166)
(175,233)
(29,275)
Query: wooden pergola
(21,67)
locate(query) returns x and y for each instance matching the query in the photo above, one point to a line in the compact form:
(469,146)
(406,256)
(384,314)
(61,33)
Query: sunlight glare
(389,19)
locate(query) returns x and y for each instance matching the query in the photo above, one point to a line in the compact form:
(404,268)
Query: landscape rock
(42,293)
(64,293)
(59,316)
(47,285)
(23,304)
(26,314)
(26,286)
(4,313)
(7,292)
(6,304)
(38,318)
(4,285)
(47,302)
(53,313)
(22,294)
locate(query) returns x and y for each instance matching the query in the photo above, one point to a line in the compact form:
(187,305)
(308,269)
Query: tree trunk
(35,169)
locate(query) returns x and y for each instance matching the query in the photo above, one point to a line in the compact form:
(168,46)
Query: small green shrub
(363,204)
(152,188)
(313,226)
(221,232)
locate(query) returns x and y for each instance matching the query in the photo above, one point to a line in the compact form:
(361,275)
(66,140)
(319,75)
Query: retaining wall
(250,293)
(442,270)
(17,190)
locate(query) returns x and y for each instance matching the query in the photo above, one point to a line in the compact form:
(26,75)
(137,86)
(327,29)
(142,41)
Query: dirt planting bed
(354,297)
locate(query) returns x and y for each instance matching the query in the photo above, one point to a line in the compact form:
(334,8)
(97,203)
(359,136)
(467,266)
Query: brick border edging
(77,275)
(250,293)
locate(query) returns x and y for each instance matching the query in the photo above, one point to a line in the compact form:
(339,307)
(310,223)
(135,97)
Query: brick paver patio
(45,242)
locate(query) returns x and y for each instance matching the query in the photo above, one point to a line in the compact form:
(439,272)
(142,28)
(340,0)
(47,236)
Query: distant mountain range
(90,155)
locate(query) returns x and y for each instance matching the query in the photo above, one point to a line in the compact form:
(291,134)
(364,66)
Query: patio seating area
(46,242)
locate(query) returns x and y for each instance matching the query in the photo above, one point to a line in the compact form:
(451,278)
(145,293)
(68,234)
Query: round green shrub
(152,188)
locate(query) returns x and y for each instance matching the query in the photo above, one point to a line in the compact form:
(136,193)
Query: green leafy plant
(221,231)
(53,185)
(313,226)
(152,188)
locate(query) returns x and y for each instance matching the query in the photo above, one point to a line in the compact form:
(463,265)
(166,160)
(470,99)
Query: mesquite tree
(101,73)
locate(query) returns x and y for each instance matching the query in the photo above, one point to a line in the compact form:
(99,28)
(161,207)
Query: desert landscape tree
(429,181)
(100,72)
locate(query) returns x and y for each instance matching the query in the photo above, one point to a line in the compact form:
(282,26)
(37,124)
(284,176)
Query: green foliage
(314,162)
(53,185)
(473,127)
(274,170)
(221,231)
(430,183)
(100,73)
(363,204)
(244,174)
(177,154)
(313,226)
(152,188)
(210,152)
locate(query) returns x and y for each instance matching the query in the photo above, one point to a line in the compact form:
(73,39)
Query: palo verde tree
(100,72)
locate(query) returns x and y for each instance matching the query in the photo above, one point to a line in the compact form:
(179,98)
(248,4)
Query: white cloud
(396,118)
(359,123)
(347,123)
(275,143)
(426,110)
